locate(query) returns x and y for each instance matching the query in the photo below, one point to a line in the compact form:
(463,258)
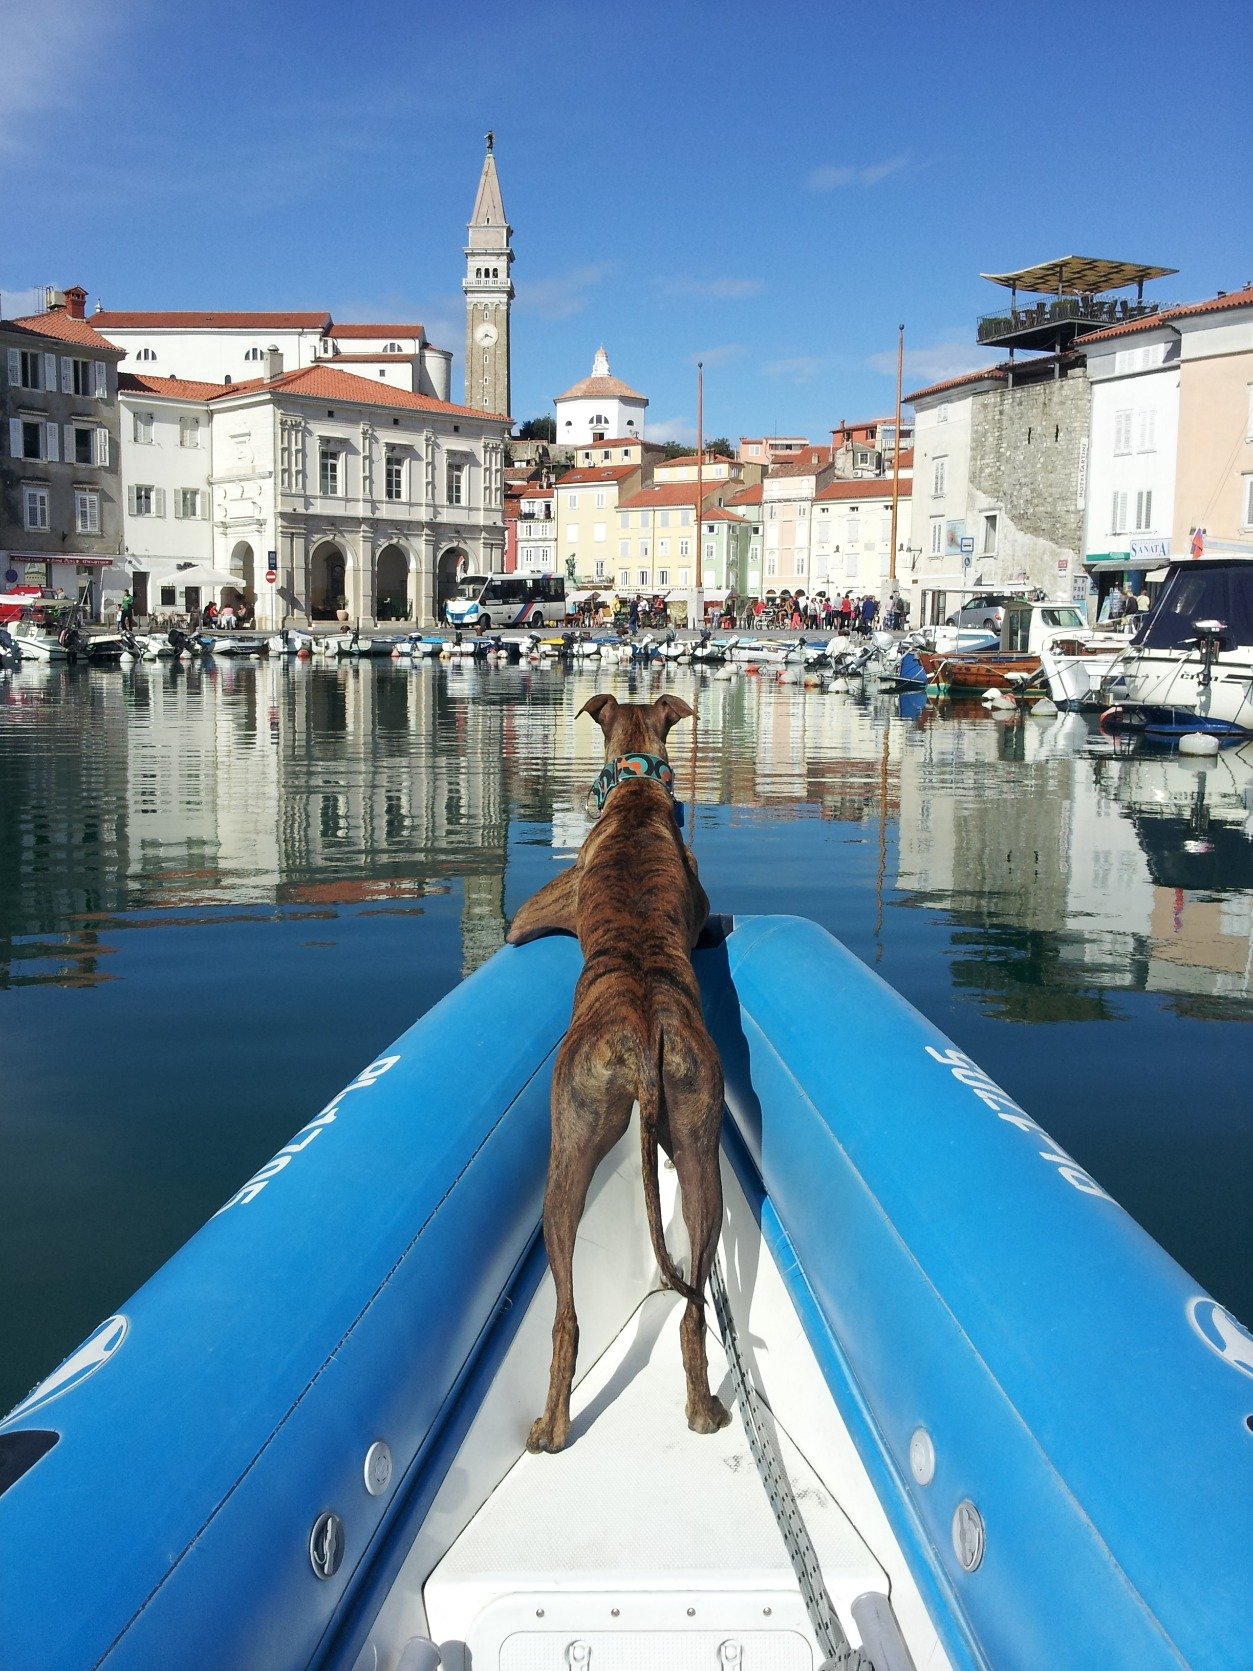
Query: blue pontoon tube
(1006,1429)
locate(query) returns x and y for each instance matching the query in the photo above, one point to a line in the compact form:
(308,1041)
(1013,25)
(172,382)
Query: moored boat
(929,1467)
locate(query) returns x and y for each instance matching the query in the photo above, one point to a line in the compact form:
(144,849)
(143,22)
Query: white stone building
(599,408)
(940,492)
(788,494)
(360,497)
(231,347)
(851,534)
(1132,446)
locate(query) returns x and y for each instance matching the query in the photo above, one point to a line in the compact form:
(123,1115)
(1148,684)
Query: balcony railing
(1089,313)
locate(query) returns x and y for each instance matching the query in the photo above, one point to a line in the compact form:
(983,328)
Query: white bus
(507,600)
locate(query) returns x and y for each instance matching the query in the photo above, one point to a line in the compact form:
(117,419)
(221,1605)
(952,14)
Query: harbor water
(225,888)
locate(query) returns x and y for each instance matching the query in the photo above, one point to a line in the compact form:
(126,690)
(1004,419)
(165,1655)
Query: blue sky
(771,188)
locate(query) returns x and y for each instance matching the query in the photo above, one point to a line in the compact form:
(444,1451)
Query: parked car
(987,610)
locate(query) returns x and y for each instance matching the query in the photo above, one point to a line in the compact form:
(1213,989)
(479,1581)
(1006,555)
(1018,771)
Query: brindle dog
(636,1034)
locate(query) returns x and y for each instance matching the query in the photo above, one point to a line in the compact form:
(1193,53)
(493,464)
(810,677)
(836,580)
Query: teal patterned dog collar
(624,769)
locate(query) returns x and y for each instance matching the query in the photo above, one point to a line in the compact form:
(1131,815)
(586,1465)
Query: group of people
(225,618)
(852,616)
(1121,605)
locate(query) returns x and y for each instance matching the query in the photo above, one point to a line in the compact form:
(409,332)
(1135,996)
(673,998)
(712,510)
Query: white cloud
(720,289)
(51,51)
(672,429)
(565,295)
(829,177)
(802,368)
(16,304)
(933,364)
(721,356)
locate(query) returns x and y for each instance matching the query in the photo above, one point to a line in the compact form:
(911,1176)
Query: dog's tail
(650,1103)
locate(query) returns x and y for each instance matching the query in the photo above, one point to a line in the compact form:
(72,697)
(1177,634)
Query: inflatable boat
(982,1419)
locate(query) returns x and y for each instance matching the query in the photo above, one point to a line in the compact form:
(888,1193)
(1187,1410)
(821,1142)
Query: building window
(141,428)
(30,436)
(84,445)
(253,354)
(144,500)
(35,508)
(187,504)
(81,379)
(572,501)
(624,548)
(754,552)
(709,555)
(1146,438)
(663,548)
(989,534)
(456,475)
(394,473)
(168,597)
(663,519)
(643,574)
(189,432)
(1248,501)
(854,530)
(600,568)
(643,548)
(392,348)
(1118,516)
(937,537)
(329,479)
(30,370)
(1144,511)
(600,501)
(685,548)
(624,578)
(772,565)
(146,354)
(939,477)
(685,577)
(663,577)
(572,532)
(800,563)
(86,511)
(1122,431)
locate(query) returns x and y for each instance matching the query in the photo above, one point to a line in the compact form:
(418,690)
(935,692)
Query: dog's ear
(603,709)
(670,710)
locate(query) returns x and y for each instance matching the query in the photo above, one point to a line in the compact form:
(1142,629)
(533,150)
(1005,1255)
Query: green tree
(675,449)
(721,445)
(538,429)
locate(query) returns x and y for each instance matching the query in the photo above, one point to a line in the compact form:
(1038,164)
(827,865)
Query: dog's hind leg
(695,1123)
(576,1153)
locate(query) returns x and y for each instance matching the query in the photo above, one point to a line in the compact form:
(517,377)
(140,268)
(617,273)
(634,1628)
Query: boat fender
(1198,742)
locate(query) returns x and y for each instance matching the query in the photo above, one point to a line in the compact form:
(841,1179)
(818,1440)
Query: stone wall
(1025,457)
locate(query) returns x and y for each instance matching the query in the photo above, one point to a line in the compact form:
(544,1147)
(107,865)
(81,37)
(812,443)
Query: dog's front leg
(553,910)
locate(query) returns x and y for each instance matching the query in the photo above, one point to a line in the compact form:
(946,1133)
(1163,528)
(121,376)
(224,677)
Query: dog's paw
(708,1417)
(547,1437)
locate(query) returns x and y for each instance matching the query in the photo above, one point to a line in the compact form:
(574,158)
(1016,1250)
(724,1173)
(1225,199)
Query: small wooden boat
(983,1419)
(971,675)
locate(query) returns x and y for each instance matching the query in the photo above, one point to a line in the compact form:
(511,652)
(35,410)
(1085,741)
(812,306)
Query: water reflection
(222,889)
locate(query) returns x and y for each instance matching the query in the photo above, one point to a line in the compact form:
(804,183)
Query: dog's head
(636,727)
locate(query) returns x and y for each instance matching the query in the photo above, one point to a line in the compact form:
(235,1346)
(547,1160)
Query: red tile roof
(662,494)
(874,487)
(172,388)
(323,382)
(607,388)
(995,373)
(813,458)
(749,496)
(622,441)
(597,473)
(1190,310)
(65,328)
(115,321)
(338,330)
(709,458)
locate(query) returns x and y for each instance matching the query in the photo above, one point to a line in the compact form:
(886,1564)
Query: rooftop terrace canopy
(1077,275)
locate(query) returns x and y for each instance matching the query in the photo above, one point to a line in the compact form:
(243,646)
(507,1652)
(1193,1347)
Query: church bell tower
(489,291)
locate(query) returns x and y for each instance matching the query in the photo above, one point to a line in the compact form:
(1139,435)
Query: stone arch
(244,568)
(328,580)
(391,584)
(452,564)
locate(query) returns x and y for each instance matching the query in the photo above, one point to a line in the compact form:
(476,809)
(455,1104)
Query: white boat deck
(641,1526)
